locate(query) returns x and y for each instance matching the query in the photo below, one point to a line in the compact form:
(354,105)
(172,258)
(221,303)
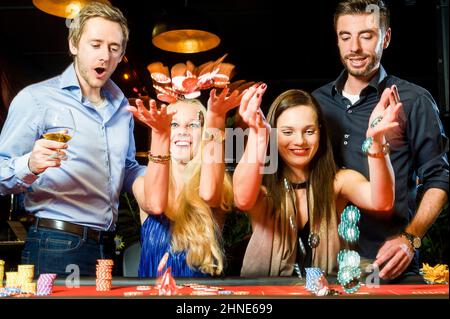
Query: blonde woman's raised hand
(220,104)
(158,120)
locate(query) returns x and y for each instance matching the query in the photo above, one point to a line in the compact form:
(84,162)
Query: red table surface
(401,291)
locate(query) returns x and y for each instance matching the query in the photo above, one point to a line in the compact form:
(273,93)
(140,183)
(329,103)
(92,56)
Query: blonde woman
(185,192)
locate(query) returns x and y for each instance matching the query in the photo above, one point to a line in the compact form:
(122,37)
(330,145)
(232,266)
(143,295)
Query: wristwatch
(367,144)
(415,241)
(385,150)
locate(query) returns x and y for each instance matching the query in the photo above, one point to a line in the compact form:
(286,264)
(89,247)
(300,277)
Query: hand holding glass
(58,126)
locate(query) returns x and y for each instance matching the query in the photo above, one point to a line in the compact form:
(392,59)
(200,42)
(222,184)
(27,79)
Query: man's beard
(366,71)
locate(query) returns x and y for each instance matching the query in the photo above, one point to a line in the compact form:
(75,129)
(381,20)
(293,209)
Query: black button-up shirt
(418,148)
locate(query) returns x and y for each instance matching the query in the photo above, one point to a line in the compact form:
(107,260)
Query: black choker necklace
(299,185)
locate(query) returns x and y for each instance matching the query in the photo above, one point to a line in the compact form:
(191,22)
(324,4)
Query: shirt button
(345,142)
(350,111)
(348,106)
(346,135)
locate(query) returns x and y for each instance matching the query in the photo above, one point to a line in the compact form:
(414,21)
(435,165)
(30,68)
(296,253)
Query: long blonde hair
(194,228)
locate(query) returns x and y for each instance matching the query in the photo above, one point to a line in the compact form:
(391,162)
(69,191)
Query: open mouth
(100,71)
(357,61)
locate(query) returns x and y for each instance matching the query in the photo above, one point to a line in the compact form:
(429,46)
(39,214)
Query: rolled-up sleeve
(429,144)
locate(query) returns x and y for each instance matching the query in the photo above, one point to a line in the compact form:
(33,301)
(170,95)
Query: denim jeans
(54,251)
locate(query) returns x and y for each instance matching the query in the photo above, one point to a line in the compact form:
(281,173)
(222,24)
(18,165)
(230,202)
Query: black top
(418,147)
(305,260)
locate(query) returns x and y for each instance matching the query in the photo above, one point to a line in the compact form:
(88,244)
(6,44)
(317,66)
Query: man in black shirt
(418,146)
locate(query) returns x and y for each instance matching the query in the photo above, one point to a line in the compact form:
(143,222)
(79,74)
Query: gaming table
(266,288)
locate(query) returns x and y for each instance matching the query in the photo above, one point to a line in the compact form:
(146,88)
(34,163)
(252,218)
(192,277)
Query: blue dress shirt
(85,189)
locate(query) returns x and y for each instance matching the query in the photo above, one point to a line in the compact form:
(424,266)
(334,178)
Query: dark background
(285,43)
(282,42)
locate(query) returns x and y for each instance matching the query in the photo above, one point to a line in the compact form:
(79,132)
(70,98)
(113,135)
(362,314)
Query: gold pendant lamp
(184,31)
(63,8)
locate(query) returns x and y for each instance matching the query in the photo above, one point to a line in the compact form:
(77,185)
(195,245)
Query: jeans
(54,251)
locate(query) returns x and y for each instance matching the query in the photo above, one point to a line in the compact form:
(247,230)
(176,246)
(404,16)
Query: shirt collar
(110,90)
(69,78)
(377,82)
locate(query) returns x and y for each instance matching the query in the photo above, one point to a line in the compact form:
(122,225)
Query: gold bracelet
(158,159)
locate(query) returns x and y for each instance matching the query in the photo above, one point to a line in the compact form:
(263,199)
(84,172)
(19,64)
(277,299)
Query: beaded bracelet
(158,159)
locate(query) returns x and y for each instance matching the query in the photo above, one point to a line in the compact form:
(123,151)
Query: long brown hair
(322,167)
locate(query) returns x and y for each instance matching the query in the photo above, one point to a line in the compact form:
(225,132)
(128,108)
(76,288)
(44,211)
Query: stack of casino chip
(12,279)
(349,278)
(45,284)
(2,272)
(316,282)
(348,260)
(29,288)
(7,292)
(348,229)
(25,274)
(104,274)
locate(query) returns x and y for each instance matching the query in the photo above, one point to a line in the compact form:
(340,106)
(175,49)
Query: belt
(96,235)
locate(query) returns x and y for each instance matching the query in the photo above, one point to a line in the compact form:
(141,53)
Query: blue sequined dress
(156,237)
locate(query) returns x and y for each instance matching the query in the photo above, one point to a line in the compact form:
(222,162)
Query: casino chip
(104,268)
(351,215)
(45,284)
(2,272)
(316,282)
(349,278)
(133,293)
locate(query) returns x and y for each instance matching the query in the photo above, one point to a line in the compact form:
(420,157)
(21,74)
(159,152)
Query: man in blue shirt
(75,200)
(418,146)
